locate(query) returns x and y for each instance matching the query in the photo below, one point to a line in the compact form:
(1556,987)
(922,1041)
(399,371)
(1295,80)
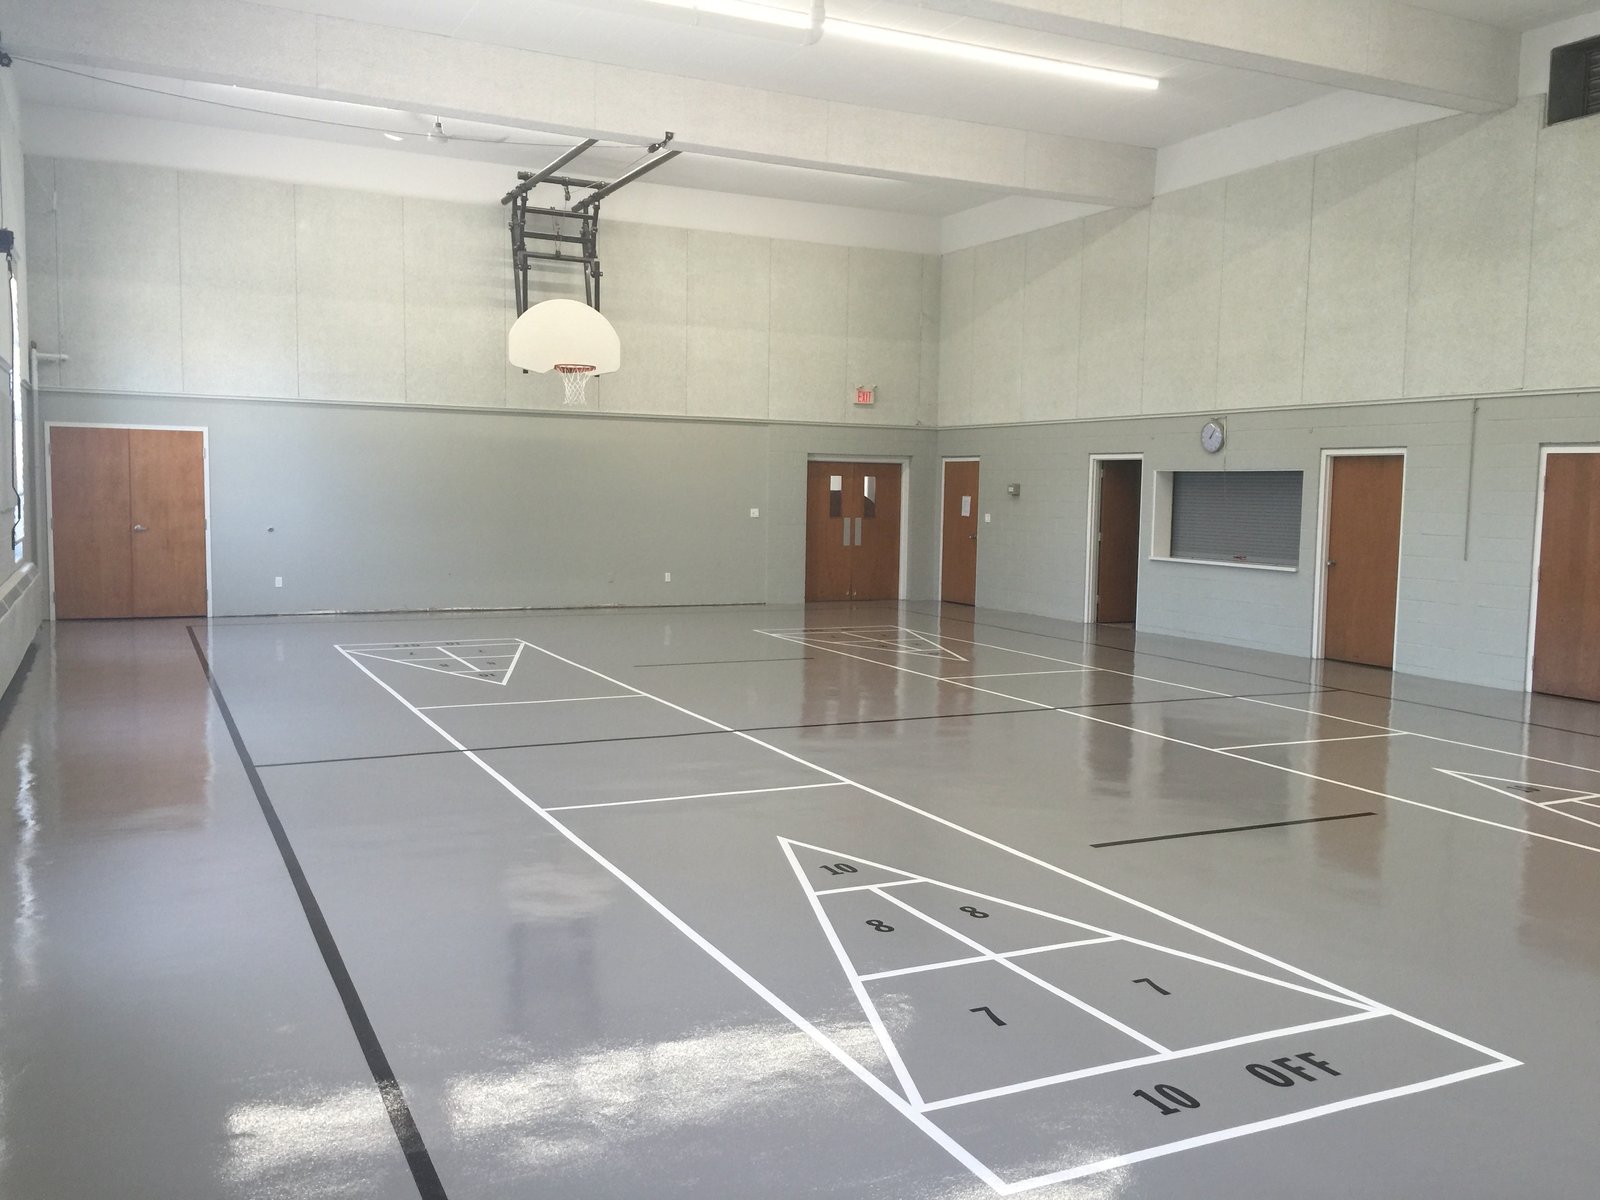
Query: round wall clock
(1212,435)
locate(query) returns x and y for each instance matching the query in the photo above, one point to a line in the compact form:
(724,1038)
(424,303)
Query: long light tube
(899,39)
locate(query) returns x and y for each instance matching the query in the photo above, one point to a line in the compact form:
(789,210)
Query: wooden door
(828,532)
(128,522)
(852,531)
(958,582)
(1364,501)
(167,482)
(875,557)
(1117,558)
(93,539)
(1566,639)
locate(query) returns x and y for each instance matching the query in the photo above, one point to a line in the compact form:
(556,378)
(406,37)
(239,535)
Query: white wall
(158,280)
(1459,257)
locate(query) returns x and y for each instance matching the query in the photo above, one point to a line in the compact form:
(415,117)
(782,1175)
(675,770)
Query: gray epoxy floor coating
(777,902)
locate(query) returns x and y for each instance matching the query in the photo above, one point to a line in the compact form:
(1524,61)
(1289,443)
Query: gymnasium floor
(749,902)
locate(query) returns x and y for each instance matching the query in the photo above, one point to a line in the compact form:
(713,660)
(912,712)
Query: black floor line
(694,733)
(1172,837)
(1393,699)
(418,1159)
(719,662)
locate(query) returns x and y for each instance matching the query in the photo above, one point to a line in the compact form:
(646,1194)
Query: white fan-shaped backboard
(562,332)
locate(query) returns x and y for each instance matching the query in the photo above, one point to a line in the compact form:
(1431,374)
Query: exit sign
(866,397)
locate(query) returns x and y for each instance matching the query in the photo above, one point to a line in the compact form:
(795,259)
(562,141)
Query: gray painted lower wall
(19,624)
(363,507)
(1466,564)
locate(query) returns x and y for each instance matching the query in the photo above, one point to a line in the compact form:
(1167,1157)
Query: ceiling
(1194,97)
(222,106)
(1509,14)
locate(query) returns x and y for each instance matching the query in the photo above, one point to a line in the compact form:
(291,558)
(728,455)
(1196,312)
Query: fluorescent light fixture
(744,10)
(900,40)
(394,137)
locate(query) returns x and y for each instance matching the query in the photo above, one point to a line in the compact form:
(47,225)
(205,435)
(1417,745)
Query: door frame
(904,462)
(1319,608)
(939,561)
(1092,542)
(49,492)
(1538,548)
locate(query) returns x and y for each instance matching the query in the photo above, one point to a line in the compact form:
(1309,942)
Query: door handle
(973,536)
(1331,563)
(140,529)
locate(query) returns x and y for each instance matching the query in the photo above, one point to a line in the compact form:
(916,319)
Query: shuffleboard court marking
(1014,674)
(911,1112)
(515,703)
(1510,788)
(795,787)
(1060,993)
(1045,1081)
(1337,994)
(1238,757)
(478,671)
(977,958)
(882,1089)
(1354,737)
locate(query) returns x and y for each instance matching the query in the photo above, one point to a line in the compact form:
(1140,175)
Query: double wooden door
(958,570)
(1566,638)
(852,531)
(1364,498)
(128,522)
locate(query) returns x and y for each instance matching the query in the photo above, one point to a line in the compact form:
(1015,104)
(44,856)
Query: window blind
(1237,516)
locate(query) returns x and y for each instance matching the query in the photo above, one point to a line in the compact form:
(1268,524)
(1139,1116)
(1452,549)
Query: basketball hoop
(569,338)
(574,377)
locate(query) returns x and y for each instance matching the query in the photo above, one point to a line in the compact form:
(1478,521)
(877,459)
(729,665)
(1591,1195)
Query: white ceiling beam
(1378,46)
(232,41)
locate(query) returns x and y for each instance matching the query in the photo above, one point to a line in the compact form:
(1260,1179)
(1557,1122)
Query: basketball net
(574,377)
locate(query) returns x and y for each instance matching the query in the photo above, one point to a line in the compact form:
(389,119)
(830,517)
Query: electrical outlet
(669,576)
(987,517)
(755,512)
(277,581)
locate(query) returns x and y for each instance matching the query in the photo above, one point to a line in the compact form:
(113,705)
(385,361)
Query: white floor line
(1013,674)
(868,1008)
(1223,1135)
(1355,787)
(1355,737)
(458,658)
(1076,1001)
(962,962)
(1031,1085)
(1487,784)
(1432,737)
(358,647)
(960,1153)
(1586,801)
(514,703)
(866,887)
(799,787)
(883,1090)
(1337,995)
(1102,670)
